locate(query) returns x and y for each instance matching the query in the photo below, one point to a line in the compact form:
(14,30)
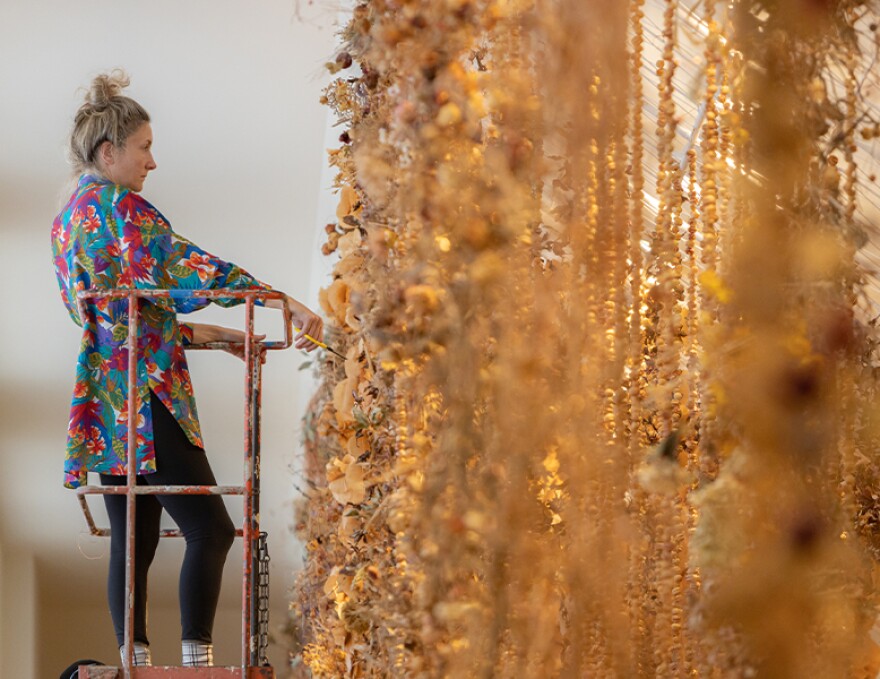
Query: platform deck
(107,672)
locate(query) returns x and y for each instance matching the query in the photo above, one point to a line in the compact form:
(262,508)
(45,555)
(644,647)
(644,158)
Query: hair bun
(105,115)
(106,86)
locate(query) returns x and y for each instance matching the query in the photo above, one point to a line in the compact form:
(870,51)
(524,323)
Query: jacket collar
(92,178)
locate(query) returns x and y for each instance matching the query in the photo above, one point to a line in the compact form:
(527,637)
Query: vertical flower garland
(504,474)
(782,300)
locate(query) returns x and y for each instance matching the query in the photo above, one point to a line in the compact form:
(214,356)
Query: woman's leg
(203,520)
(147,514)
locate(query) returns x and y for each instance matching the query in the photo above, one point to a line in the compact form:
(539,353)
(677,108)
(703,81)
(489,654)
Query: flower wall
(608,402)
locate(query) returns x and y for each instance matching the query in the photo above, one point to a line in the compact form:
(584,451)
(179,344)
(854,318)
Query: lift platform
(255,609)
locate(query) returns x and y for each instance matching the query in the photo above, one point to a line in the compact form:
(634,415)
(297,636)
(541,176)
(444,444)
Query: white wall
(233,90)
(18,613)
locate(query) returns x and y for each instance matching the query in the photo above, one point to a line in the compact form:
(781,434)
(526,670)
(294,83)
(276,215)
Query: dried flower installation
(607,402)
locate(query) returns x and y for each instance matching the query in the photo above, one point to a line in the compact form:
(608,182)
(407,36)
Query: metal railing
(253,620)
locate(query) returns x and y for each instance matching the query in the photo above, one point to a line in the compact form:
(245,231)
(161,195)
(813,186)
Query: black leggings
(203,519)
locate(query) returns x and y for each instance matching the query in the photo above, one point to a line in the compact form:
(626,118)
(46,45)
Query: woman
(108,236)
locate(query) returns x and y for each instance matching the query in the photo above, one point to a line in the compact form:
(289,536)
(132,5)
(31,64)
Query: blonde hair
(106,115)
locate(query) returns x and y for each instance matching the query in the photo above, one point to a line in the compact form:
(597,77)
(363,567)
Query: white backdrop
(233,90)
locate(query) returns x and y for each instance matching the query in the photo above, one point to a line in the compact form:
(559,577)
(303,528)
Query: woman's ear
(105,153)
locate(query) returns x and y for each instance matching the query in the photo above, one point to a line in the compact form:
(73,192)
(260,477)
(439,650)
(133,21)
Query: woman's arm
(188,267)
(154,256)
(204,333)
(308,323)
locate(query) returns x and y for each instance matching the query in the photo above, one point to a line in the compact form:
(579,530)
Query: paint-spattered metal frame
(253,356)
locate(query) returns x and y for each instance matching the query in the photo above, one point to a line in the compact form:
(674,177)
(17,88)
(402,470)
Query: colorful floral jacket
(110,237)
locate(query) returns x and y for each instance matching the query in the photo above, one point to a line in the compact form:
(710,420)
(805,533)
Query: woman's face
(129,166)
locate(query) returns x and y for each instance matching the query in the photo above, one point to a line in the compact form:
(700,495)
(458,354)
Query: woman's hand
(308,322)
(237,337)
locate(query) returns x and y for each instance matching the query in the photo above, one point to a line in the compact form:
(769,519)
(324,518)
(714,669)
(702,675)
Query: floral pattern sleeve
(158,257)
